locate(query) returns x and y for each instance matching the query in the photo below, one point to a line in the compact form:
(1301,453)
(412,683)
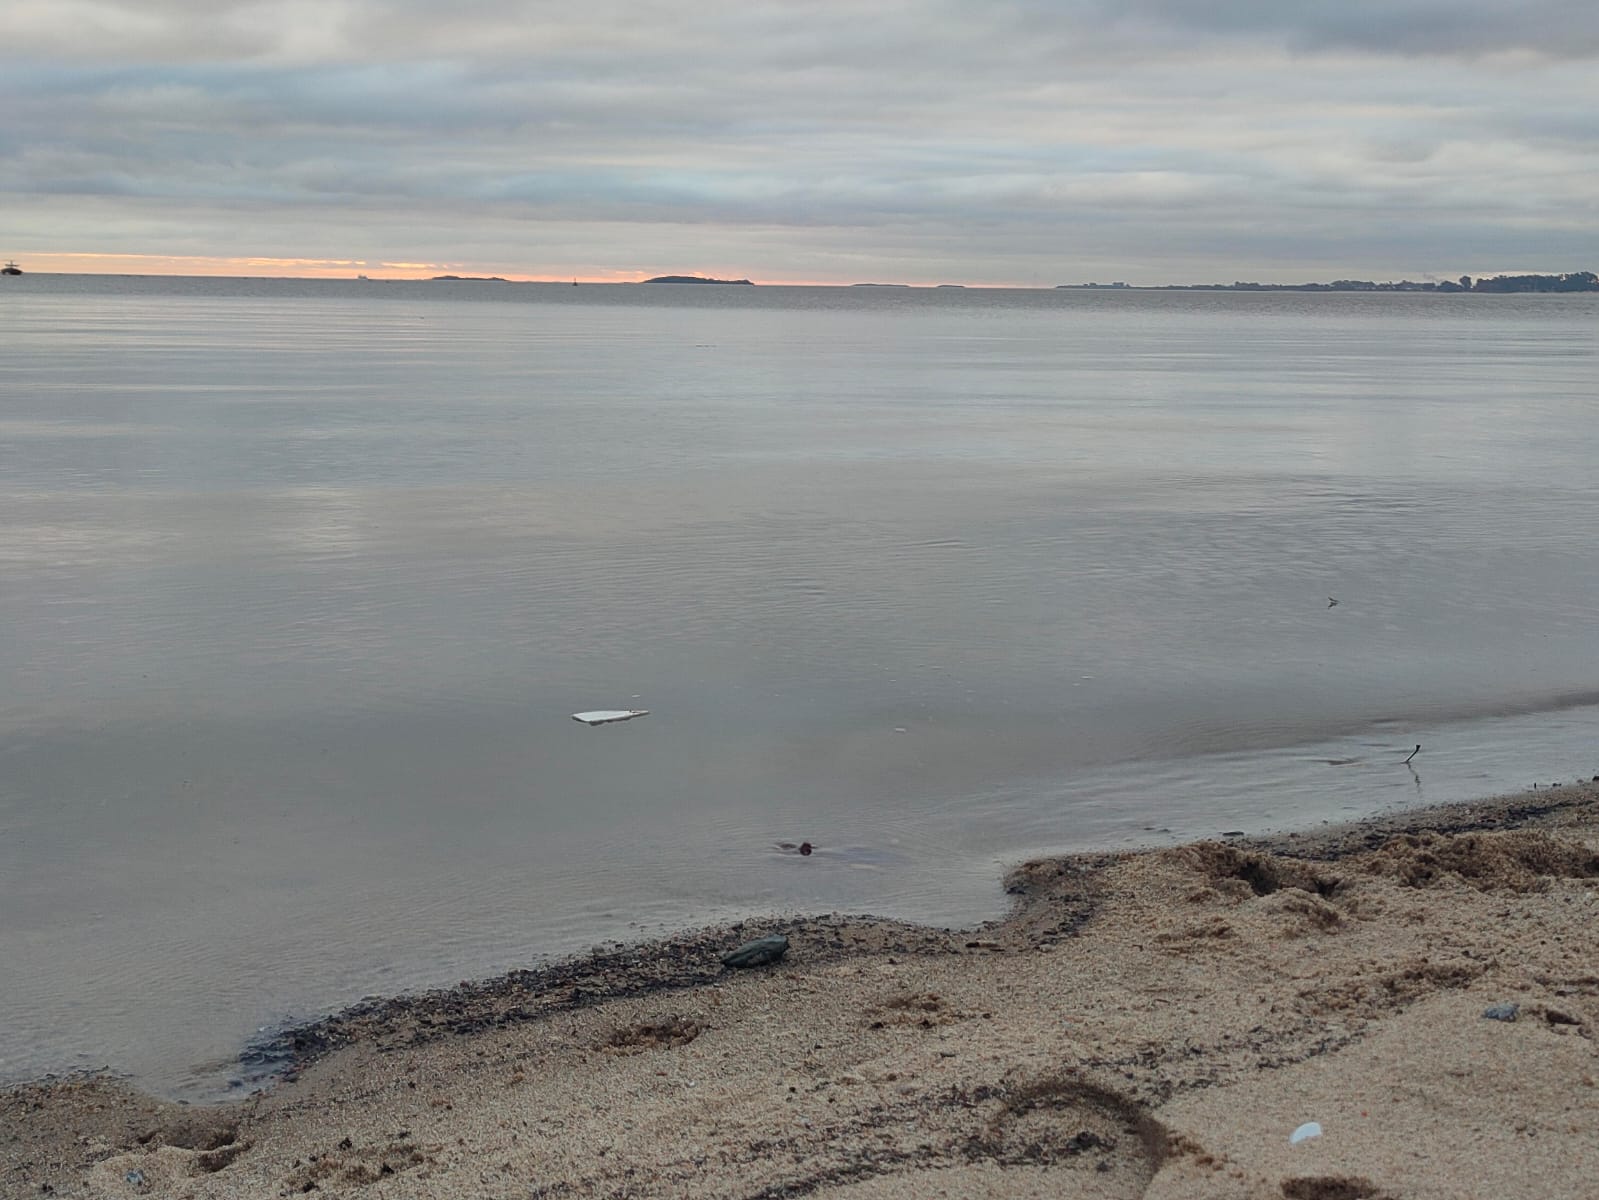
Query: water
(301,582)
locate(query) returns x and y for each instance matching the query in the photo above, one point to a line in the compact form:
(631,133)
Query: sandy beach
(1154,1024)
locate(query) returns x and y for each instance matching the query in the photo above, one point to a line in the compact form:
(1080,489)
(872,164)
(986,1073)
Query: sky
(986,142)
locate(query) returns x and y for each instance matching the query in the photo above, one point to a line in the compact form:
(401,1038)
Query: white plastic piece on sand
(1309,1129)
(607,716)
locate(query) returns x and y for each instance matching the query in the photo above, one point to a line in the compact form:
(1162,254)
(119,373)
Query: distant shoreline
(1576,283)
(1571,281)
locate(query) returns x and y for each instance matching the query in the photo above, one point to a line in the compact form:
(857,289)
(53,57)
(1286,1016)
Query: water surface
(301,582)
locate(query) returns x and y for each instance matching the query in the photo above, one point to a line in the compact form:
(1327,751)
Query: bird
(1331,603)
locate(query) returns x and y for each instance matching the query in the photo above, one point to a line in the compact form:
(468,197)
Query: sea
(302,581)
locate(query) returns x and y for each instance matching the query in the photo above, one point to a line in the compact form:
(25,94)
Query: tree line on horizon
(1571,281)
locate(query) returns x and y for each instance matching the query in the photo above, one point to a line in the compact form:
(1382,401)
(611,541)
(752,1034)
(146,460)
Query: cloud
(989,141)
(783,35)
(1450,28)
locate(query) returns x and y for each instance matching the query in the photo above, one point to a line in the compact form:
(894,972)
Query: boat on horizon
(10,268)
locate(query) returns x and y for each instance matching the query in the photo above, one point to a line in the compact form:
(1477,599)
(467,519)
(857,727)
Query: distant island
(1572,281)
(694,279)
(466,279)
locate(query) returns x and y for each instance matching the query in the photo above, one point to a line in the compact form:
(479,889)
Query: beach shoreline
(1143,1023)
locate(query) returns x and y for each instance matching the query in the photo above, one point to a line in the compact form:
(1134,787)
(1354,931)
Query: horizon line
(218,267)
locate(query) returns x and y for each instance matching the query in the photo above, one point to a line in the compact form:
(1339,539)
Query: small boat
(10,268)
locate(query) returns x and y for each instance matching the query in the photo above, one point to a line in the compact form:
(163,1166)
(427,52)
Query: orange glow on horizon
(80,263)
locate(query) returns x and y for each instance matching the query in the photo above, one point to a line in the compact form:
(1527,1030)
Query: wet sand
(1153,1024)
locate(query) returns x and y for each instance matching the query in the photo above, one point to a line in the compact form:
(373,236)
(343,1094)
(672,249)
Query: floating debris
(1310,1129)
(759,953)
(609,716)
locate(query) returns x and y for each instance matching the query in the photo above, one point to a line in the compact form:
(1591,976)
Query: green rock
(759,953)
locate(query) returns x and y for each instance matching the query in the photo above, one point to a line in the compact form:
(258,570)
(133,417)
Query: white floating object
(1306,1131)
(607,716)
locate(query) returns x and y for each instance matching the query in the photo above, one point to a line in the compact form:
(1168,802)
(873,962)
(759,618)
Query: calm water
(300,583)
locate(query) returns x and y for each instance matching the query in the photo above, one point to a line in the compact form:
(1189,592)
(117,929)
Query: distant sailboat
(10,268)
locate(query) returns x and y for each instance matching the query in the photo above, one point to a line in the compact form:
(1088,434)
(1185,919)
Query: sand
(1152,1024)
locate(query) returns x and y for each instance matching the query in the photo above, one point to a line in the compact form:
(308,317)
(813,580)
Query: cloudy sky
(1026,142)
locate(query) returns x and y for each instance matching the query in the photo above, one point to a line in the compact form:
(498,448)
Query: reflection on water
(304,581)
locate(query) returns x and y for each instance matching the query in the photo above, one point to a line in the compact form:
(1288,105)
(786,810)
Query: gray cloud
(923,138)
(901,35)
(1469,28)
